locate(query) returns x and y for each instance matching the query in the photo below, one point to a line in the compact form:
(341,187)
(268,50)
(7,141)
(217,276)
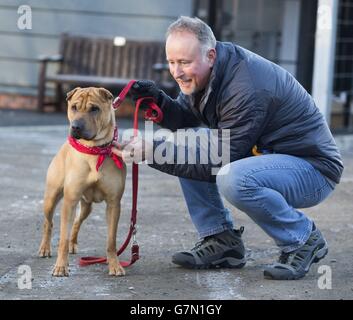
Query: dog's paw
(60,271)
(115,269)
(73,248)
(44,251)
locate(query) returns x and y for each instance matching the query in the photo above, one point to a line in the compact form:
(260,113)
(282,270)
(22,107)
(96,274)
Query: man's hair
(196,26)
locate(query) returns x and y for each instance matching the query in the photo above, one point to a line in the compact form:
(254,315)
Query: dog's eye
(74,107)
(94,109)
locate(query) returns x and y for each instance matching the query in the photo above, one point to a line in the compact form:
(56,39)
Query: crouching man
(226,87)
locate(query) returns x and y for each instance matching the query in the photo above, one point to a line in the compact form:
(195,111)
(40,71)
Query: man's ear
(71,93)
(106,94)
(211,56)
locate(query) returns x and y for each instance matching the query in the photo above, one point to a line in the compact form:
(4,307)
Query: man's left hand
(136,150)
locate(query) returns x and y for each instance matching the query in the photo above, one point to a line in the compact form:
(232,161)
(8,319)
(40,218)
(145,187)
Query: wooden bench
(89,61)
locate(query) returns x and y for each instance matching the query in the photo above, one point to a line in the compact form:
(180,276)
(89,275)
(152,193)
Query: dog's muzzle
(78,131)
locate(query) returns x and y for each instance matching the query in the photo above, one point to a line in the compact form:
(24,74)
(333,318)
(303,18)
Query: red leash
(155,114)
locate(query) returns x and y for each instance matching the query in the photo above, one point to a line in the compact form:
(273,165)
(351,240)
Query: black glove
(145,88)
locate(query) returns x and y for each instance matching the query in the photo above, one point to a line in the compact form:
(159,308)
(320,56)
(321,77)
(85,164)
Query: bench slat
(97,61)
(79,79)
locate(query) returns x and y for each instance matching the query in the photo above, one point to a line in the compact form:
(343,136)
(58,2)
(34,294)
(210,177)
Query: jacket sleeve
(176,113)
(241,122)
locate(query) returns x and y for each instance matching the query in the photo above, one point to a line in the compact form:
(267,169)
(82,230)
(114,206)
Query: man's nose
(177,72)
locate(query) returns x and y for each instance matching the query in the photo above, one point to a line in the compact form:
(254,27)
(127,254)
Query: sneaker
(222,250)
(296,264)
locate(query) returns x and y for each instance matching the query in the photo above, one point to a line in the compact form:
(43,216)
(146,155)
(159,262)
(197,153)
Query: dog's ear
(105,94)
(71,93)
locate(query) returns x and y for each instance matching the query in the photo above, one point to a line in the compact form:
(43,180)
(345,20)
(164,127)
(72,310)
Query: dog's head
(90,113)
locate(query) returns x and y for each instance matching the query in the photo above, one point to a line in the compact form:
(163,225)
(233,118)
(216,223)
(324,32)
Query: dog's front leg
(67,214)
(86,209)
(51,198)
(113,214)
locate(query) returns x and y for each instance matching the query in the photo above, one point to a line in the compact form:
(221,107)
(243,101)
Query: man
(223,86)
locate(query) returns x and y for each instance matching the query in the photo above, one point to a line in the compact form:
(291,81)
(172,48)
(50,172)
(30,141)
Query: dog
(73,176)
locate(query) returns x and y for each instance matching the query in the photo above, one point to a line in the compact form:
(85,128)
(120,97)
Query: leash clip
(117,101)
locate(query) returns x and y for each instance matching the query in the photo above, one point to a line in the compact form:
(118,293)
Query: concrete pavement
(26,149)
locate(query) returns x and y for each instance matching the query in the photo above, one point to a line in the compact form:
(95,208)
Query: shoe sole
(319,255)
(230,263)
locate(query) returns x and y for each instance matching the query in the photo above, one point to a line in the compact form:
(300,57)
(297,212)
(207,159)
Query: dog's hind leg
(85,210)
(51,198)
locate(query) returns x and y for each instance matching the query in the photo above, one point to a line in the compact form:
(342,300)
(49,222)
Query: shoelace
(198,244)
(283,258)
(234,241)
(225,242)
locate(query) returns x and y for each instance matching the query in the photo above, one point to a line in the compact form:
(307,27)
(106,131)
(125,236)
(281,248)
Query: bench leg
(41,87)
(59,97)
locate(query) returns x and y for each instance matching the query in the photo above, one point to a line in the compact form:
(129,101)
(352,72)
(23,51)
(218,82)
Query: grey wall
(255,25)
(133,19)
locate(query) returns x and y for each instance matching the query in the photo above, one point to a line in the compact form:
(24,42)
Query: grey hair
(196,26)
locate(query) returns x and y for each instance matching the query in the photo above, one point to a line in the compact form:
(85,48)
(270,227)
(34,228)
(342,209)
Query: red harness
(153,113)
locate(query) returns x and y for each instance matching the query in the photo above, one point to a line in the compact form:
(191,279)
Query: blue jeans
(268,188)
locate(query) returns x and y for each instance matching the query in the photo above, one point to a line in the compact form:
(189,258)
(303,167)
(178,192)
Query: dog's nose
(77,126)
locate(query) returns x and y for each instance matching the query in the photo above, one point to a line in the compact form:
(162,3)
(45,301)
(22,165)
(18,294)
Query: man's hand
(144,88)
(136,150)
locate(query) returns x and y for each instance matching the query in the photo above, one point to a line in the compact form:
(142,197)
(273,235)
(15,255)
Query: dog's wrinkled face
(89,112)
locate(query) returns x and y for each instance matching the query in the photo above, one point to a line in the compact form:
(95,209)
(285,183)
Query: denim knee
(230,182)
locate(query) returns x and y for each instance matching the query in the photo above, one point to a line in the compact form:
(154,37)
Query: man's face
(188,64)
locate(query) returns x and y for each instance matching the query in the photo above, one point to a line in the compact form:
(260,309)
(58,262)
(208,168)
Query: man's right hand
(145,88)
